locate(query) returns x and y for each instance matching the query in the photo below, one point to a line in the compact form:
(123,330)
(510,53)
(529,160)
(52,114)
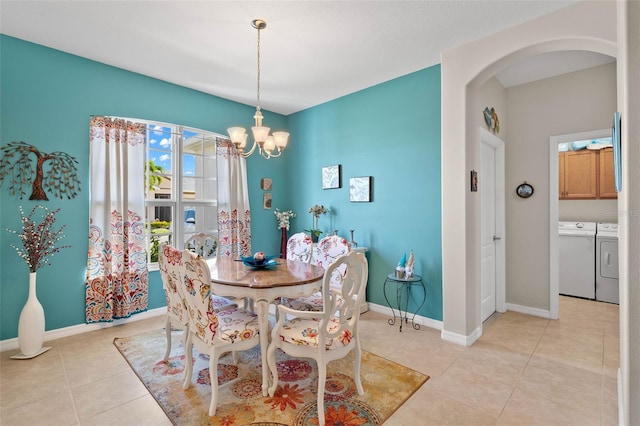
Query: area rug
(240,402)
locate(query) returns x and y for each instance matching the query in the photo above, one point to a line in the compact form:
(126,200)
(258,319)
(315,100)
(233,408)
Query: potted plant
(316,211)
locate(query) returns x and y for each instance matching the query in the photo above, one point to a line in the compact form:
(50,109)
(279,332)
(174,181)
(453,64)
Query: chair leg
(168,331)
(213,377)
(271,362)
(322,379)
(188,367)
(357,367)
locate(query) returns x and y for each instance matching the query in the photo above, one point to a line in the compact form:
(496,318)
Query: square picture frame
(473,181)
(266,184)
(360,189)
(332,177)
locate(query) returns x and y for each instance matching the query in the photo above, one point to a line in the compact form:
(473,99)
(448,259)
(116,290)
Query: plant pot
(31,325)
(314,238)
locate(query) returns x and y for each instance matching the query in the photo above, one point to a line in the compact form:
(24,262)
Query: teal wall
(47,98)
(390,131)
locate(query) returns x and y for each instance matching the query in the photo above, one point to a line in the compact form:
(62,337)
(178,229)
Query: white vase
(31,325)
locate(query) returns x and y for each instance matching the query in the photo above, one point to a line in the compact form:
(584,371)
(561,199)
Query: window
(180,185)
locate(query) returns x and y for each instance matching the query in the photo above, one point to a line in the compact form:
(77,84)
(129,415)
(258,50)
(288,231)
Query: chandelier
(268,145)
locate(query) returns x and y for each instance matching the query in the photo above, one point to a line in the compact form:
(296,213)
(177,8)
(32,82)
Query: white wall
(464,70)
(570,103)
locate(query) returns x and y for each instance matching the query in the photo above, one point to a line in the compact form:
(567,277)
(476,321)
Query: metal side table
(401,283)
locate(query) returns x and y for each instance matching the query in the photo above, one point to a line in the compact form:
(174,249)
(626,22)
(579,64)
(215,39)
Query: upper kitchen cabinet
(586,175)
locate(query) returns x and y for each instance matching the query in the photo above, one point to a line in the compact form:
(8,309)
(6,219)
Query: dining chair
(203,244)
(171,272)
(300,247)
(325,335)
(328,250)
(213,333)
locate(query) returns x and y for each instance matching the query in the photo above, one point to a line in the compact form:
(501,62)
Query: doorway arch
(464,69)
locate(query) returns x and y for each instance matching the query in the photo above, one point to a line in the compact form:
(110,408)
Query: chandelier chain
(258,96)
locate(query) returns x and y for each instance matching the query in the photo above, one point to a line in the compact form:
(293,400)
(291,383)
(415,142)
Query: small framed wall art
(473,184)
(360,189)
(266,200)
(266,184)
(331,177)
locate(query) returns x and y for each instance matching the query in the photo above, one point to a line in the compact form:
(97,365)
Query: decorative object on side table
(283,223)
(352,243)
(316,211)
(38,246)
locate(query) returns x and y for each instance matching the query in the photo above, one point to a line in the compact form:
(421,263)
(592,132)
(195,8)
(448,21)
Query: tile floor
(524,370)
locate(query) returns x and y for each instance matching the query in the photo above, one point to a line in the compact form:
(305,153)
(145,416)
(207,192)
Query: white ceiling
(312,51)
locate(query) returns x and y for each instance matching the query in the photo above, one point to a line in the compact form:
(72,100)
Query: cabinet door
(607,187)
(581,177)
(561,160)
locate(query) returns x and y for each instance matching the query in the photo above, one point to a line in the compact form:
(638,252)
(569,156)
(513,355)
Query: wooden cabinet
(607,186)
(586,175)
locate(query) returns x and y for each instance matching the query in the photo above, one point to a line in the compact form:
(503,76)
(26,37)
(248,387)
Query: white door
(487,189)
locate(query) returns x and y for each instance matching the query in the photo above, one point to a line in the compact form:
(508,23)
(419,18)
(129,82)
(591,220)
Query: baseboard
(529,311)
(427,322)
(10,344)
(620,400)
(461,339)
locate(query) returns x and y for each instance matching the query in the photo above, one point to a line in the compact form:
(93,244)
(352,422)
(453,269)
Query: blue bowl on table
(267,262)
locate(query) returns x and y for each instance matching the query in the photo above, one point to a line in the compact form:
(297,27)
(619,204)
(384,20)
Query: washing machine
(607,263)
(577,260)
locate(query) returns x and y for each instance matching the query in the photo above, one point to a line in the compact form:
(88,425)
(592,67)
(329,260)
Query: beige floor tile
(102,395)
(142,411)
(428,407)
(55,409)
(533,409)
(580,393)
(472,389)
(609,401)
(494,362)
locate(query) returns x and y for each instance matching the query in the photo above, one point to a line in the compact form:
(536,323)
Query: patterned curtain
(117,277)
(234,213)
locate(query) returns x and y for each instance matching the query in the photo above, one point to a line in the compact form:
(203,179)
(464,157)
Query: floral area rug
(240,402)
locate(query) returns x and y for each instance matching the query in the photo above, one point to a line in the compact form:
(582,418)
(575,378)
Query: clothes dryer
(607,281)
(577,259)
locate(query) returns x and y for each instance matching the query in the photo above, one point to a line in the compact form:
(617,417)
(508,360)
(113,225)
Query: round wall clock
(524,190)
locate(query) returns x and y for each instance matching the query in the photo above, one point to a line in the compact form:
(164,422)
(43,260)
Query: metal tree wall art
(60,177)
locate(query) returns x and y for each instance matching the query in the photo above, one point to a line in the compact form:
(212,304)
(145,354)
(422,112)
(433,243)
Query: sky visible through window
(160,153)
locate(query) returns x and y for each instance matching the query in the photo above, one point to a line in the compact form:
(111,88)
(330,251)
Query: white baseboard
(10,344)
(461,339)
(529,311)
(427,322)
(620,400)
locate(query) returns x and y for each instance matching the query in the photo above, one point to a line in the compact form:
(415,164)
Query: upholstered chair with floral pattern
(325,335)
(327,251)
(171,272)
(212,333)
(299,247)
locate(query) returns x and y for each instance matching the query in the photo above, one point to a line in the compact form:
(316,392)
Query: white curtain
(117,277)
(234,213)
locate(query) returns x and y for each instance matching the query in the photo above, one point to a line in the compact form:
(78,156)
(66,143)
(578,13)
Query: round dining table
(289,278)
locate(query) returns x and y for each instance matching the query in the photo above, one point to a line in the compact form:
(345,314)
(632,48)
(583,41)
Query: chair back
(203,244)
(342,301)
(203,321)
(328,250)
(299,247)
(171,272)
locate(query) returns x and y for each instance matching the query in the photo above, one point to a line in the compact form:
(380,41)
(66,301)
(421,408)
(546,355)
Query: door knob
(496,238)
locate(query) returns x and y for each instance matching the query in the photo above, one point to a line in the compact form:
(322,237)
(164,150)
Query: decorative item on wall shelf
(360,189)
(60,178)
(331,177)
(266,184)
(284,219)
(316,211)
(38,246)
(491,118)
(266,200)
(524,190)
(473,181)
